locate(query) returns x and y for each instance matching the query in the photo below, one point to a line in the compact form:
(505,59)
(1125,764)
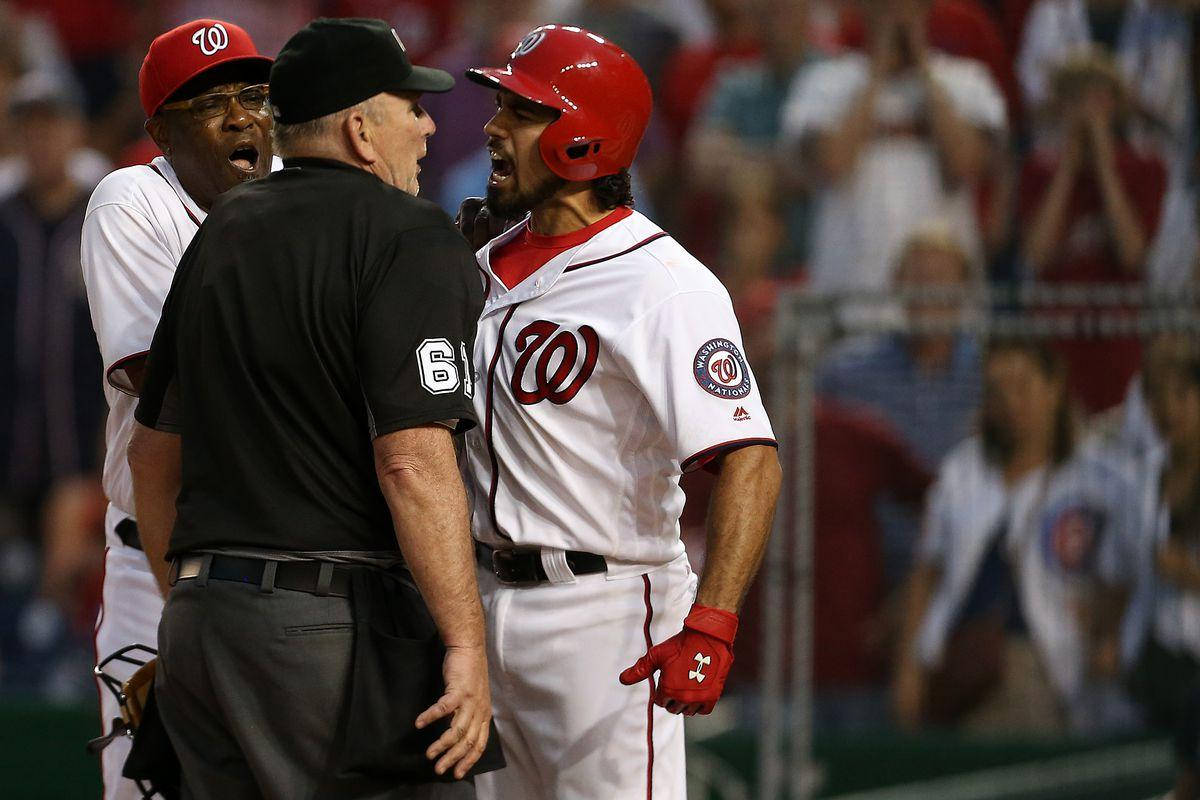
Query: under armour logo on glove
(685,687)
(701,662)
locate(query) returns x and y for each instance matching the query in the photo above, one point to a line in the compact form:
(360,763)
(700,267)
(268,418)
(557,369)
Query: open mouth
(244,157)
(502,169)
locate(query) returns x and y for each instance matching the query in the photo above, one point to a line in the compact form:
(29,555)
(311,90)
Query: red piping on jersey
(119,364)
(487,279)
(491,381)
(185,208)
(707,453)
(626,251)
(650,702)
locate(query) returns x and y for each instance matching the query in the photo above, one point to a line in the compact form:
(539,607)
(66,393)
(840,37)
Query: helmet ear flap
(571,153)
(569,161)
(577,151)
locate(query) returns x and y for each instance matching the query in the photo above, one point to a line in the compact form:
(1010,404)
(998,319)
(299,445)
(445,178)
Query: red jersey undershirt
(527,252)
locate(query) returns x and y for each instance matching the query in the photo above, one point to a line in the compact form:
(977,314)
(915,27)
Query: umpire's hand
(478,224)
(468,700)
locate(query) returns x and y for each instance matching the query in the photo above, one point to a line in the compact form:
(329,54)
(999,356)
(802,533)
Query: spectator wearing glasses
(203,89)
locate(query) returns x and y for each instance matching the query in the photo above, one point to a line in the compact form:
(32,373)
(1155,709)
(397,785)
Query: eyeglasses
(252,98)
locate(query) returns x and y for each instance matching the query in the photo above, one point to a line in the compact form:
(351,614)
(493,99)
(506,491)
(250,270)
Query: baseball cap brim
(249,62)
(503,78)
(426,79)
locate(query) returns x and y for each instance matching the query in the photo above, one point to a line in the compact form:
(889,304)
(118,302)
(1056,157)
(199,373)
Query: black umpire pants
(251,687)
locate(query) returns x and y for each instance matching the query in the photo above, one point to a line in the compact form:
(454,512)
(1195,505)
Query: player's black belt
(523,565)
(127,532)
(314,577)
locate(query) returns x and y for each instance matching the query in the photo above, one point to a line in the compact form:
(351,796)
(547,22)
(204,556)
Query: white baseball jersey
(138,223)
(1063,527)
(602,377)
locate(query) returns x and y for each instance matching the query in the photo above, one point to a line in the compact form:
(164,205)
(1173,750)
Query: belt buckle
(504,566)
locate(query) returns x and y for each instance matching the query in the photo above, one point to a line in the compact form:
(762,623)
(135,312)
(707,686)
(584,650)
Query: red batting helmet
(601,94)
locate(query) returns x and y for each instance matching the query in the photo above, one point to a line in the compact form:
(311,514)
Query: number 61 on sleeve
(439,372)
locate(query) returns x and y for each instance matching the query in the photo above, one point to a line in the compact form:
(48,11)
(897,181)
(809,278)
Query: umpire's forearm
(154,461)
(739,523)
(419,477)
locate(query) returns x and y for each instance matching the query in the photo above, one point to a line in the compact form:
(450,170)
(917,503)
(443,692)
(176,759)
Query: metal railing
(805,326)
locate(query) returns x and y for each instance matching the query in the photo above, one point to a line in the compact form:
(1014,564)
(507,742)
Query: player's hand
(477,223)
(468,702)
(694,662)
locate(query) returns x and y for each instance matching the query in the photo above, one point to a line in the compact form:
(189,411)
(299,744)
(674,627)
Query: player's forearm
(155,463)
(739,523)
(419,477)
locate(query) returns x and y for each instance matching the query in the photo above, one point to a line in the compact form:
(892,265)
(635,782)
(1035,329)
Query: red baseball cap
(182,53)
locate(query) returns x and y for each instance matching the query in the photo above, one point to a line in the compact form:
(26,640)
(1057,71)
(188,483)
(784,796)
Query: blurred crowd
(1007,530)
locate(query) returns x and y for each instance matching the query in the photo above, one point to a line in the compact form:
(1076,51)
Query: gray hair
(292,140)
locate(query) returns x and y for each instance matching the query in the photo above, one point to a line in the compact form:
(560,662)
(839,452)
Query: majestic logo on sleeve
(565,360)
(211,39)
(720,369)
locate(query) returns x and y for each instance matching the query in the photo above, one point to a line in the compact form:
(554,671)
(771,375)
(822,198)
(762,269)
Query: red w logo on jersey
(557,348)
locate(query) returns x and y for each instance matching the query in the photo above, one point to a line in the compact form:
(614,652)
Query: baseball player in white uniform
(608,362)
(202,86)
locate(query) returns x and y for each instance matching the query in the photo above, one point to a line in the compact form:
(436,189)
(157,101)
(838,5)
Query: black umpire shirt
(315,309)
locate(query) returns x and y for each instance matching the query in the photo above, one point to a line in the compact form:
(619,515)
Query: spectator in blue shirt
(924,381)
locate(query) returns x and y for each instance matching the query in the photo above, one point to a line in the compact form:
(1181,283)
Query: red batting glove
(694,662)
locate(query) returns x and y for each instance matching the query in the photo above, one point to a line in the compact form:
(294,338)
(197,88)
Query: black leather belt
(314,577)
(523,565)
(127,532)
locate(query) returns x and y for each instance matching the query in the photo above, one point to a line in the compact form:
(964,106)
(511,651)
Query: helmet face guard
(600,93)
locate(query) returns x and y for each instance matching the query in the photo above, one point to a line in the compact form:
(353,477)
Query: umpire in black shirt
(309,372)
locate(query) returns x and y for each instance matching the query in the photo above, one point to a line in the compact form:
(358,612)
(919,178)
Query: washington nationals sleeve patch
(721,370)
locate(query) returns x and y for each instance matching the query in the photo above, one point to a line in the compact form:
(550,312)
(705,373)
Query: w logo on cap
(211,39)
(531,40)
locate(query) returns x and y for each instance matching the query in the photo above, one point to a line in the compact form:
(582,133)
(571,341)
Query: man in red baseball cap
(203,86)
(188,83)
